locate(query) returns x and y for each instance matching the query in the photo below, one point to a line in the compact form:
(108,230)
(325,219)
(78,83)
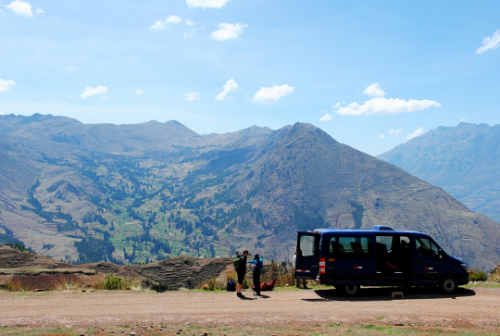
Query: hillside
(463,160)
(208,195)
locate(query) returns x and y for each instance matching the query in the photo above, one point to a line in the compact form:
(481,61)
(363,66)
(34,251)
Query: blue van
(350,258)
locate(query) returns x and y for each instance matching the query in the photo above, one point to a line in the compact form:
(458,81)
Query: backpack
(231,286)
(236,263)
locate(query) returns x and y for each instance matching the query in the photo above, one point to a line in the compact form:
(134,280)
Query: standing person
(241,272)
(297,281)
(258,263)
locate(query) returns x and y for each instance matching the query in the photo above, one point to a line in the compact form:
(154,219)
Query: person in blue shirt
(258,263)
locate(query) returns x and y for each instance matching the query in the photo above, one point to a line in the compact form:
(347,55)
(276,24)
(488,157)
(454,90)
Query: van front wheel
(350,290)
(448,284)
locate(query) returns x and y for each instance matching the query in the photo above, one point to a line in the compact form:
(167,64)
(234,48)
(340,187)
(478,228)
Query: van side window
(307,246)
(426,247)
(331,247)
(354,247)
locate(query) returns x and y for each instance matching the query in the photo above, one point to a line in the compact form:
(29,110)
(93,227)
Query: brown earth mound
(10,258)
(172,273)
(48,281)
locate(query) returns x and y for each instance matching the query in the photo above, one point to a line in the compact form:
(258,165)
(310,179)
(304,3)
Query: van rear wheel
(350,290)
(448,284)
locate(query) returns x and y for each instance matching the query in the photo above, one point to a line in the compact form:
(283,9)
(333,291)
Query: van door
(427,264)
(355,260)
(307,255)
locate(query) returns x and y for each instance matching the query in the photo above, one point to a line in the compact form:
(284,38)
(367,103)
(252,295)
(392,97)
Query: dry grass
(220,330)
(494,275)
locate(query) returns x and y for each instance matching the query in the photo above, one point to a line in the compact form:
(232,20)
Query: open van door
(307,255)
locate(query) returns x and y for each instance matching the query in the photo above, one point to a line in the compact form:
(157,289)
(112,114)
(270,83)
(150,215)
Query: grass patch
(482,285)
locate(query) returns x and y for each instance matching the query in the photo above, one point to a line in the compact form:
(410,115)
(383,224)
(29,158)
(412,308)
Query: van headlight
(464,266)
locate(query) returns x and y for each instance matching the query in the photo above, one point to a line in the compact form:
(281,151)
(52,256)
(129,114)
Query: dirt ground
(477,309)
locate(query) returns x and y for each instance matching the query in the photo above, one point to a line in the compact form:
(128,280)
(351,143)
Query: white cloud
(190,33)
(463,119)
(158,25)
(492,42)
(415,134)
(395,132)
(105,97)
(39,11)
(228,31)
(70,69)
(326,117)
(336,105)
(385,106)
(206,3)
(89,92)
(6,84)
(139,91)
(374,90)
(227,88)
(19,7)
(189,22)
(272,94)
(381,136)
(173,19)
(192,96)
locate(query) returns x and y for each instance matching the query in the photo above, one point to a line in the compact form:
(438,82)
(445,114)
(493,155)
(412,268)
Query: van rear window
(354,247)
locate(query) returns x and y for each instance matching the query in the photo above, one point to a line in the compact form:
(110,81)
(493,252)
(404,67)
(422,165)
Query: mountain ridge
(208,195)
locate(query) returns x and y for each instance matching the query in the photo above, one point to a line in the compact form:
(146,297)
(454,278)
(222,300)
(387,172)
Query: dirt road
(467,308)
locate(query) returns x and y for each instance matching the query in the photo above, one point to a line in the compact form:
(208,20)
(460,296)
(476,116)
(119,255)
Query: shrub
(495,274)
(477,275)
(112,282)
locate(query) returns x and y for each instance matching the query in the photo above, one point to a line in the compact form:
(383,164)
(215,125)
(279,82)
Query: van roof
(376,228)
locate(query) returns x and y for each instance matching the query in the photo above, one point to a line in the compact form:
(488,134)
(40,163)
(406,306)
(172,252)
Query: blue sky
(392,65)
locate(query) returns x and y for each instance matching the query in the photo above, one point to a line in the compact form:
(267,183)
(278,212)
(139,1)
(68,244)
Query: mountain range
(140,193)
(463,160)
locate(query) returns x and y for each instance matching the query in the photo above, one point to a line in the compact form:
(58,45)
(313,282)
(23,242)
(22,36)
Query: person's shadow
(246,298)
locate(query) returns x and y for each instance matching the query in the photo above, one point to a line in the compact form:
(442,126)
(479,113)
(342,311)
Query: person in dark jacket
(241,272)
(258,263)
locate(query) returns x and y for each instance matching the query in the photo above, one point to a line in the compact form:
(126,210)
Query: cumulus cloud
(173,19)
(492,42)
(158,25)
(189,22)
(228,31)
(89,92)
(462,119)
(192,96)
(19,7)
(269,95)
(385,106)
(336,105)
(6,84)
(139,91)
(206,3)
(395,132)
(70,69)
(227,88)
(381,136)
(415,134)
(39,11)
(374,90)
(326,117)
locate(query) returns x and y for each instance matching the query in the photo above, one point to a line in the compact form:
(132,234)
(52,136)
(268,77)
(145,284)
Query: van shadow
(385,294)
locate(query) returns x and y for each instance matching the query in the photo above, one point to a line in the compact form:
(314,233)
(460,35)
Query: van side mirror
(442,254)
